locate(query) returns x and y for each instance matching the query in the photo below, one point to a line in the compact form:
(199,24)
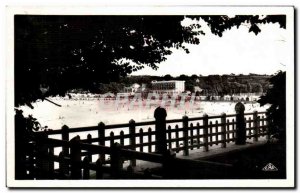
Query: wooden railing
(106,147)
(182,135)
(74,167)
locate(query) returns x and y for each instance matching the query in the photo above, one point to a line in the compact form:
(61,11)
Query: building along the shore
(170,87)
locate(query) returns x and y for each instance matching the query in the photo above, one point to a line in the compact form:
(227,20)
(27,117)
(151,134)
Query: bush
(276,114)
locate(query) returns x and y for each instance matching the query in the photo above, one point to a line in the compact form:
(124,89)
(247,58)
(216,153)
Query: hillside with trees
(211,85)
(234,84)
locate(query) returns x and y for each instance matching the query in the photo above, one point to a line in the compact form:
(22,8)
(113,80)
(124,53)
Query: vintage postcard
(144,97)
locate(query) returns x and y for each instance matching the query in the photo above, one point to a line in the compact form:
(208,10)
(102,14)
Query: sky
(237,51)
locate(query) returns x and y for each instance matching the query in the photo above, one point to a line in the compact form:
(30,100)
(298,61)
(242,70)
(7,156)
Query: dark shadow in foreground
(264,162)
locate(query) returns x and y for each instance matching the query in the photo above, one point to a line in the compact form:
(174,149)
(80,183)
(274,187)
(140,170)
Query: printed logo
(269,167)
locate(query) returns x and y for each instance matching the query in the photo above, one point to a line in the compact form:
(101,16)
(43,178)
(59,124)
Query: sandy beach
(80,113)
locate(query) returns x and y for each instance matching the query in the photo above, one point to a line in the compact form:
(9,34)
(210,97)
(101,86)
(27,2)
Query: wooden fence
(182,134)
(74,167)
(106,147)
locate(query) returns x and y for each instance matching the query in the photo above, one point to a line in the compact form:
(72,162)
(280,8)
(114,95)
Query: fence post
(149,140)
(198,134)
(86,169)
(169,137)
(249,126)
(169,167)
(41,161)
(89,141)
(99,171)
(65,137)
(177,137)
(210,133)
(112,140)
(228,131)
(223,130)
(255,125)
(116,161)
(132,139)
(63,166)
(205,132)
(216,134)
(160,115)
(75,158)
(192,135)
(51,163)
(185,125)
(141,132)
(130,172)
(101,137)
(240,124)
(122,138)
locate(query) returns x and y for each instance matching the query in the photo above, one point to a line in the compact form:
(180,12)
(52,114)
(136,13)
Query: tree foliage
(276,96)
(168,77)
(56,53)
(219,24)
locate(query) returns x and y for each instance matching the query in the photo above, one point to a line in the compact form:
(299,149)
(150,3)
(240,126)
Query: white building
(169,87)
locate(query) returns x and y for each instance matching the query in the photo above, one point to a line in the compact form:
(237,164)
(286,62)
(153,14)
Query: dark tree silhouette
(277,111)
(183,77)
(194,76)
(168,77)
(54,54)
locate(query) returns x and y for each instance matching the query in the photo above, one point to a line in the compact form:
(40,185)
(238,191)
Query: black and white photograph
(195,97)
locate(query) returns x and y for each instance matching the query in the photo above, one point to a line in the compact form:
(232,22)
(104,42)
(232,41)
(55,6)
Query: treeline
(233,84)
(210,85)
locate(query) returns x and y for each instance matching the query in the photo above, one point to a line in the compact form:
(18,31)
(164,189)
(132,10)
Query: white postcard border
(147,10)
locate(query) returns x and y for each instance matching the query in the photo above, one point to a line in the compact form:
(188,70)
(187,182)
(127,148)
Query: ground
(247,162)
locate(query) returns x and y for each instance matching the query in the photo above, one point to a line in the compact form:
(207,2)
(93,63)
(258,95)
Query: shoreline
(80,113)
